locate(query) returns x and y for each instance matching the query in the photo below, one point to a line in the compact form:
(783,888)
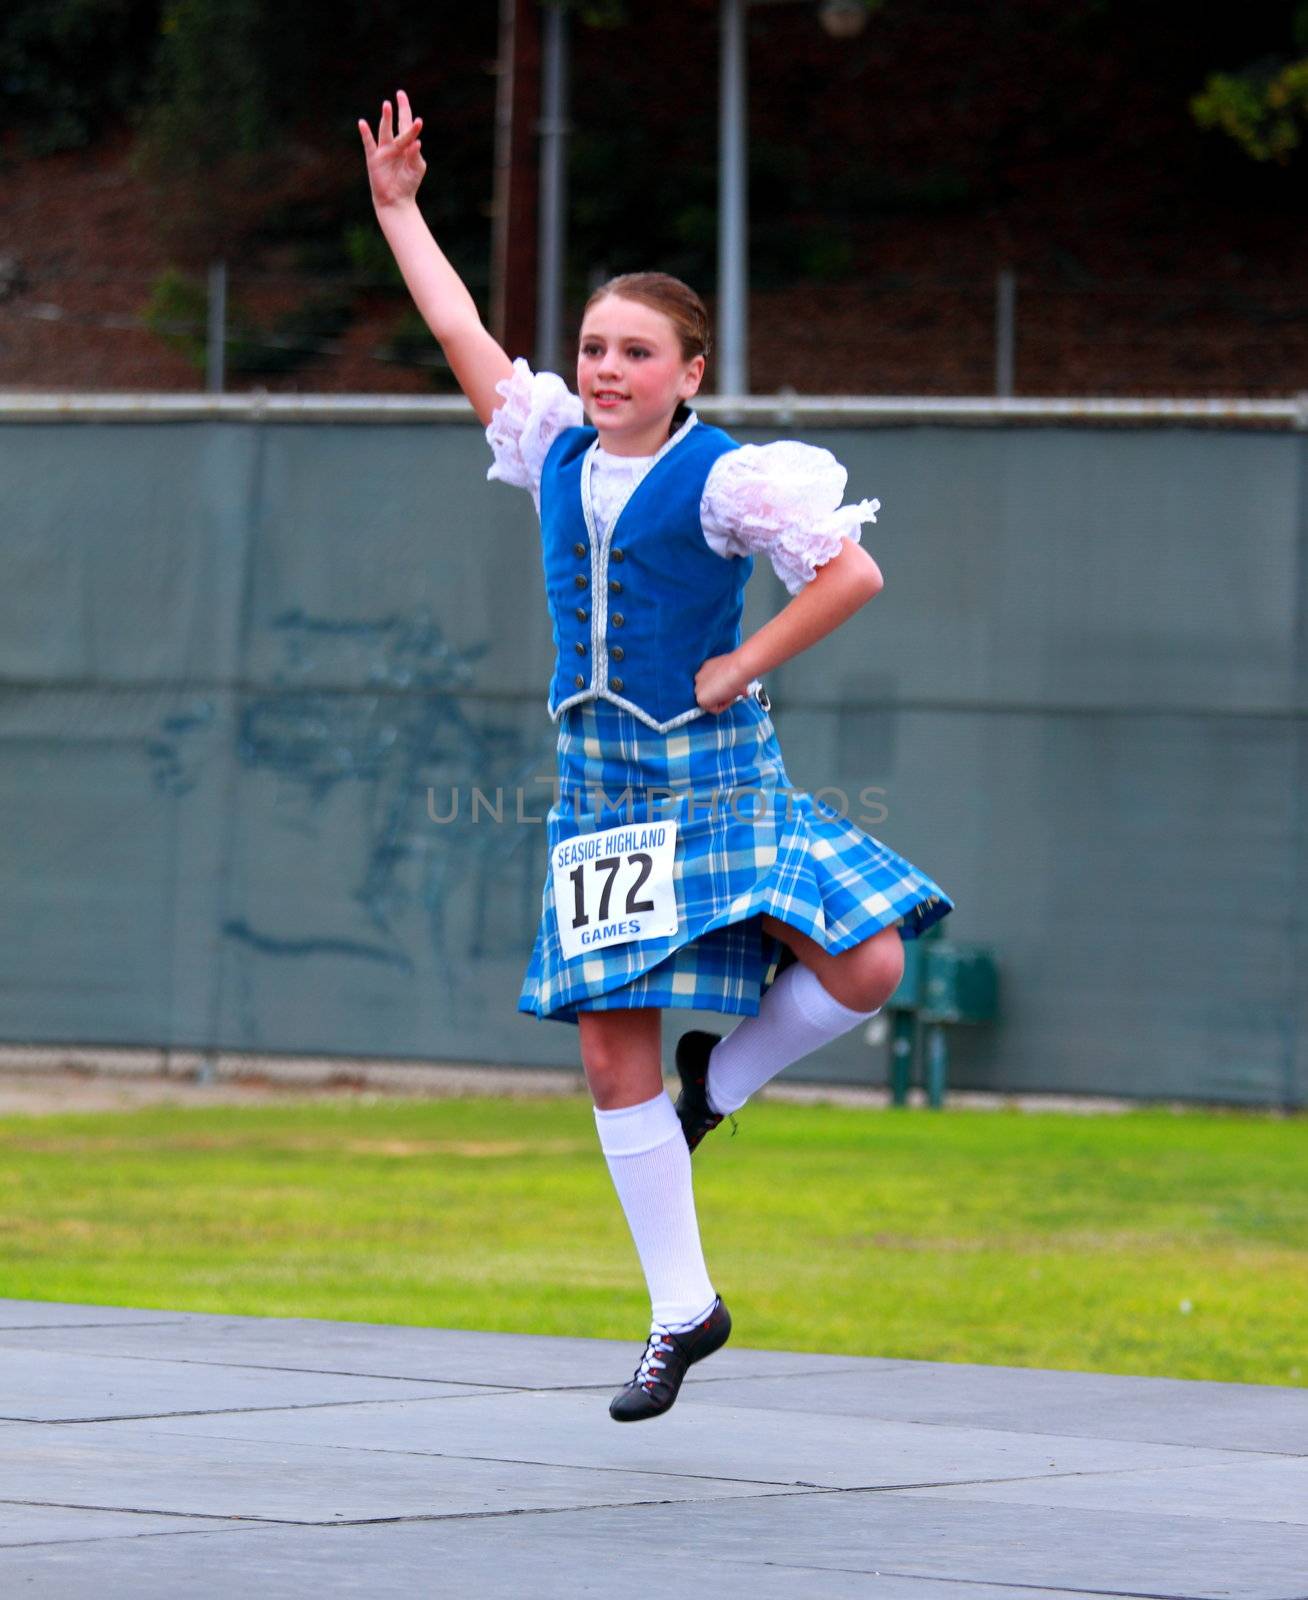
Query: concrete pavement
(165,1453)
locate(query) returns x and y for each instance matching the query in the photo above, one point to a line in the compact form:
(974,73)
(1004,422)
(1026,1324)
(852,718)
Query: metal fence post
(1005,330)
(214,373)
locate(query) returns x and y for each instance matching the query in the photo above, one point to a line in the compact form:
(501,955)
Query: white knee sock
(795,1016)
(650,1165)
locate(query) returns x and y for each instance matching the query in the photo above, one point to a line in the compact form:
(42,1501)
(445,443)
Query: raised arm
(395,169)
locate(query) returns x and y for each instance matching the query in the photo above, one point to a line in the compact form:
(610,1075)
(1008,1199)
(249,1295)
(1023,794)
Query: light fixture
(843,19)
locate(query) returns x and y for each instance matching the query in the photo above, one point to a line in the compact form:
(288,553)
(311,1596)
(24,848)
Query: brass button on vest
(614,586)
(617,652)
(582,614)
(617,619)
(579,549)
(581,648)
(579,681)
(616,555)
(580,580)
(617,684)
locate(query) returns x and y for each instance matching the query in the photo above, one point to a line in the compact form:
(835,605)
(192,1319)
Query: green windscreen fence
(275,754)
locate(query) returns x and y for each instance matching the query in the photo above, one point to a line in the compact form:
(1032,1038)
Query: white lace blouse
(780,500)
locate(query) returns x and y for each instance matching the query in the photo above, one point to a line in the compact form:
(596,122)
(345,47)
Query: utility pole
(513,231)
(733,206)
(554,129)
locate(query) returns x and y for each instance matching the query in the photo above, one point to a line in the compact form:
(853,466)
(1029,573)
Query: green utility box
(943,984)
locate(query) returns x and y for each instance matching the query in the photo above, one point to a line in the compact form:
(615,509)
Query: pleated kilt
(747,844)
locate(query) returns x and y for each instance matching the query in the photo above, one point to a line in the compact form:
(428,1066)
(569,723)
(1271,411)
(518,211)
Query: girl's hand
(395,165)
(720,682)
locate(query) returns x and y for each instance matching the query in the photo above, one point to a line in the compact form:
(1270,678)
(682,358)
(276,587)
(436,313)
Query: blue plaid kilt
(747,844)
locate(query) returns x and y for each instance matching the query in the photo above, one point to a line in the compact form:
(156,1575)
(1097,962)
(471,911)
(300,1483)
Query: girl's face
(631,374)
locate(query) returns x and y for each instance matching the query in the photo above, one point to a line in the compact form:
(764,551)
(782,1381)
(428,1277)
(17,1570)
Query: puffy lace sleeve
(782,500)
(537,407)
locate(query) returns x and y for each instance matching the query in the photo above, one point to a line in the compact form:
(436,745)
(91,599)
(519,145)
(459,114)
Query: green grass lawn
(1170,1244)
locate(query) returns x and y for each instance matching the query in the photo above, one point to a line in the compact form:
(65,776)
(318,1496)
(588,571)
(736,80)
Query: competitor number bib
(615,886)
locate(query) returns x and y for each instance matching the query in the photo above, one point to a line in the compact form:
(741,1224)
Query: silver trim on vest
(598,688)
(599,611)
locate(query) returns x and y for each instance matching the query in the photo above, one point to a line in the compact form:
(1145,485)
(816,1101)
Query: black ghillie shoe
(695,1114)
(667,1357)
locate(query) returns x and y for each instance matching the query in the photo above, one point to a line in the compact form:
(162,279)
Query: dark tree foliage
(71,68)
(1264,105)
(253,111)
(246,113)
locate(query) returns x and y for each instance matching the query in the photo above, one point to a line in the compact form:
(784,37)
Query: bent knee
(871,971)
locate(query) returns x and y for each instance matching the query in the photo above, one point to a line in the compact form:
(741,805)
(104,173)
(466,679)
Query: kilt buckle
(761,695)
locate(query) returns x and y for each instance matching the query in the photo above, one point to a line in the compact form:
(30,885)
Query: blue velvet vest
(637,613)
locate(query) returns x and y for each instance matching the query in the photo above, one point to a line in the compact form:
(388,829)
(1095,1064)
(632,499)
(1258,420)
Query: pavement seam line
(1037,1588)
(365,1522)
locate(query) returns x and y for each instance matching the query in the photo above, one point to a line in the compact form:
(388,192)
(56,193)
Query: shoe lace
(658,1344)
(732,1119)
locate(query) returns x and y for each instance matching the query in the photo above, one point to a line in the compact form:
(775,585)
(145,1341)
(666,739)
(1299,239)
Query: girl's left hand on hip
(720,682)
